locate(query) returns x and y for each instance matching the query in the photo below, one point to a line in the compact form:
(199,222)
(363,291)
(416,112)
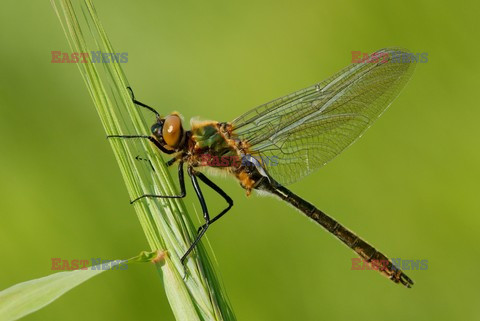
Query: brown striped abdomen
(377,260)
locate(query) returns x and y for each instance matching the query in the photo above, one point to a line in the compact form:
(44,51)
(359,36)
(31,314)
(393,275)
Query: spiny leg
(193,175)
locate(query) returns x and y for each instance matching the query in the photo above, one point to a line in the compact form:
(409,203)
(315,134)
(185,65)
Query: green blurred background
(410,185)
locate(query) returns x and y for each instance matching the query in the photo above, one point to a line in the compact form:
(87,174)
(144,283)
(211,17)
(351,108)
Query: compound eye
(172,130)
(157,130)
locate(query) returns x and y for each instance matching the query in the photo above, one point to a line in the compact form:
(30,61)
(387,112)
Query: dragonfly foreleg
(150,138)
(136,102)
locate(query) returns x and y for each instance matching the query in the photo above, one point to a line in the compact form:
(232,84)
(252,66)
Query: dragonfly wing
(298,133)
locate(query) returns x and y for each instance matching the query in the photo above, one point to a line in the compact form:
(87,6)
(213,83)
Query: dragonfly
(282,141)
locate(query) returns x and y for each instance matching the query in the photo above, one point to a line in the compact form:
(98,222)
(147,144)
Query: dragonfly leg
(136,102)
(206,216)
(168,163)
(217,189)
(171,162)
(183,192)
(193,175)
(147,160)
(150,138)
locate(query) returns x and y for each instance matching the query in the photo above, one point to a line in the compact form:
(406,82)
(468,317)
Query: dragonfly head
(169,131)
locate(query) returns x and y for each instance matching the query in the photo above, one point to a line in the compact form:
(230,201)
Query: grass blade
(27,297)
(165,222)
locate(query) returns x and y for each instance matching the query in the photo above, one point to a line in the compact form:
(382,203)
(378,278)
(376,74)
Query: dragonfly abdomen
(367,252)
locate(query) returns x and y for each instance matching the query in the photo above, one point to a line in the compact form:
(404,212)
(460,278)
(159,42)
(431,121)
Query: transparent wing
(298,133)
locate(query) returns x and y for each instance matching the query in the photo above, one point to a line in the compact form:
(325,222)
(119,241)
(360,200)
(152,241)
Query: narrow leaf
(27,297)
